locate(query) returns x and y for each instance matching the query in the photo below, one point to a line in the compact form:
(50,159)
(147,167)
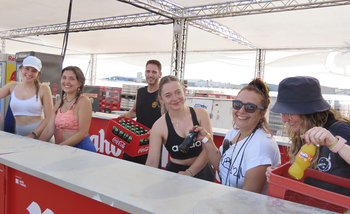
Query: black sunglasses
(248,107)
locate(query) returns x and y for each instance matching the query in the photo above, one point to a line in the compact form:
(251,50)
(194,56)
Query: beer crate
(282,185)
(132,148)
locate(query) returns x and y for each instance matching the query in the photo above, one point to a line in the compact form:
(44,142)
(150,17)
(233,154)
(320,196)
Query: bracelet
(339,145)
(189,172)
(35,136)
(206,138)
(331,147)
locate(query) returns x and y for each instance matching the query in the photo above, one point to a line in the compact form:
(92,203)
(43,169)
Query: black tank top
(174,140)
(147,108)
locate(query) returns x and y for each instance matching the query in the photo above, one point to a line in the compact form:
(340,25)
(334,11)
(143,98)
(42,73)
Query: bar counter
(86,182)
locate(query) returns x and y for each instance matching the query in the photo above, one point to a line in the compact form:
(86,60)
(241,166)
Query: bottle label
(304,156)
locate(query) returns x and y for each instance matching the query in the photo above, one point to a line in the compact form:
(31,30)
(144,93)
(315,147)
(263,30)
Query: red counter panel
(28,194)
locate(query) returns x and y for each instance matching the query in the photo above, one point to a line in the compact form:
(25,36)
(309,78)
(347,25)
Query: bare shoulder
(200,111)
(160,125)
(45,89)
(11,85)
(84,100)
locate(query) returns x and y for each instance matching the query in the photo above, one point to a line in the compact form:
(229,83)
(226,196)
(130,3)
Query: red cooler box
(132,148)
(282,185)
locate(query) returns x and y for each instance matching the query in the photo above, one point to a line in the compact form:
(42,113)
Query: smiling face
(29,74)
(172,95)
(294,121)
(152,74)
(244,120)
(69,82)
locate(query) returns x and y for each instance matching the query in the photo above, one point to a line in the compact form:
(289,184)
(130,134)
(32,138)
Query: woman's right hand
(268,171)
(201,132)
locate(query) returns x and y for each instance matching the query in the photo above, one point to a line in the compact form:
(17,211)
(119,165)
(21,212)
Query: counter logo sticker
(34,208)
(104,146)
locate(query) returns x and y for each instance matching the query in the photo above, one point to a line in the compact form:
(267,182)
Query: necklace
(68,101)
(25,89)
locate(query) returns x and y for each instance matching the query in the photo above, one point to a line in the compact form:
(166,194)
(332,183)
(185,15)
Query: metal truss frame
(2,45)
(178,55)
(260,64)
(164,12)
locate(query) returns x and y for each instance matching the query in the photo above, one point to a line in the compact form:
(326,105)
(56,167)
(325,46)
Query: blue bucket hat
(300,95)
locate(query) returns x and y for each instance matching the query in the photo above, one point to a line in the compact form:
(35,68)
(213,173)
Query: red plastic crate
(282,185)
(133,148)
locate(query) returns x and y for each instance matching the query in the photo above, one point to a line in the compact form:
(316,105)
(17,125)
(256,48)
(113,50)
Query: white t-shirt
(255,150)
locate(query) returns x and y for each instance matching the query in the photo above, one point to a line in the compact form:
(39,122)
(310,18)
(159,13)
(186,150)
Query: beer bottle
(141,142)
(120,134)
(146,141)
(129,139)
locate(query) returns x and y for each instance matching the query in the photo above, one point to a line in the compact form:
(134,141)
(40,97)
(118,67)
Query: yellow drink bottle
(302,161)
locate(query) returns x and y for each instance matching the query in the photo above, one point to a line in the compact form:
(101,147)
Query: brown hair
(309,121)
(260,87)
(81,79)
(155,62)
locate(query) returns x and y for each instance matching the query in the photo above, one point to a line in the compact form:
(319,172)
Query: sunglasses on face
(248,107)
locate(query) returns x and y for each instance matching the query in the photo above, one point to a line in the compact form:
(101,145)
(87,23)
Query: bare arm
(7,89)
(212,151)
(255,179)
(155,142)
(202,159)
(84,119)
(48,107)
(50,128)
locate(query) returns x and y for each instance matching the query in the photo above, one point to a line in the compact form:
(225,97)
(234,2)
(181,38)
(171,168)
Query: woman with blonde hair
(309,118)
(29,99)
(172,128)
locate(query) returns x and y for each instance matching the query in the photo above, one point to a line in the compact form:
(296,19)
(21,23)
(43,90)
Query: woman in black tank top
(173,127)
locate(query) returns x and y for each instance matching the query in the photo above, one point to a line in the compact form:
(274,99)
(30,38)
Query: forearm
(199,163)
(213,153)
(75,139)
(39,130)
(344,152)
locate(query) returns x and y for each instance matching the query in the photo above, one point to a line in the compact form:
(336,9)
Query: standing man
(146,107)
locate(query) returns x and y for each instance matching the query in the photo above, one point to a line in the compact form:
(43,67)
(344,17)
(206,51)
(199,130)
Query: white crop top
(28,107)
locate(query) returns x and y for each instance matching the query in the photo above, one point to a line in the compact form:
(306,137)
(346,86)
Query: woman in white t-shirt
(249,147)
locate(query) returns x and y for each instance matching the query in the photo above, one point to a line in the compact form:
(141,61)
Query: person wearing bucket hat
(248,148)
(29,99)
(309,118)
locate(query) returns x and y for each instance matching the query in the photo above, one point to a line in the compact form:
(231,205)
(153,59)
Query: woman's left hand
(319,136)
(185,173)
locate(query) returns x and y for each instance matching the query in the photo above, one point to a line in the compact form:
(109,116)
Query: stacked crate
(109,99)
(128,96)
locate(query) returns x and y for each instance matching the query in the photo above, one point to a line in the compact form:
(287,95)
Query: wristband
(206,138)
(35,136)
(336,141)
(189,172)
(339,144)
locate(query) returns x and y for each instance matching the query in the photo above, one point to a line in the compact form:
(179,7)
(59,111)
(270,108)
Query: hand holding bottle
(319,136)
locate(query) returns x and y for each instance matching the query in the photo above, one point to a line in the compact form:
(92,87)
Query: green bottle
(129,139)
(141,142)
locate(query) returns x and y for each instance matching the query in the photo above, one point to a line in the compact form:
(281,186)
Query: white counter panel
(136,188)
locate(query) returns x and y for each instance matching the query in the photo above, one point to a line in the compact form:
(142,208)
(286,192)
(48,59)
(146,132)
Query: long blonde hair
(309,121)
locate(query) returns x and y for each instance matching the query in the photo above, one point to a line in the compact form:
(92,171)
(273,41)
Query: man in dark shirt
(146,108)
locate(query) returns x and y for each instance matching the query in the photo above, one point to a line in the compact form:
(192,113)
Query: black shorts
(207,173)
